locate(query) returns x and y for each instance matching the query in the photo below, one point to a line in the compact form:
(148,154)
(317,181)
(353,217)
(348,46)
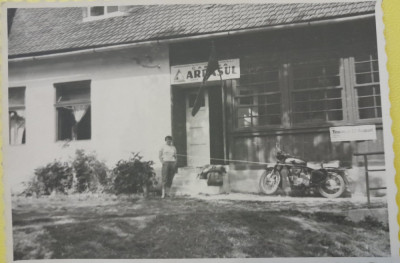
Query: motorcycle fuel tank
(293,160)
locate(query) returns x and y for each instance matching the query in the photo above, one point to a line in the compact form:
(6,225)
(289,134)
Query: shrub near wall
(56,177)
(91,175)
(133,175)
(85,173)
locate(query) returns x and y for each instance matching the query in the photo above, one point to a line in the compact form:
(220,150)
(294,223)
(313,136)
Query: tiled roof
(51,30)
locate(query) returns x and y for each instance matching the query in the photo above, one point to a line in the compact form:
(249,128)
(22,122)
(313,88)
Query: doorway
(202,138)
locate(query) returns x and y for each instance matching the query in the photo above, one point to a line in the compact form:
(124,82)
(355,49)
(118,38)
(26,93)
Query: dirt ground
(232,226)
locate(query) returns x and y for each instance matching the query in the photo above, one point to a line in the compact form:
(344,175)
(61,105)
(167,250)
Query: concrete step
(186,182)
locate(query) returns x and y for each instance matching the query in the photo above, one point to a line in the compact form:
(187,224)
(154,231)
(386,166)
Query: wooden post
(367,177)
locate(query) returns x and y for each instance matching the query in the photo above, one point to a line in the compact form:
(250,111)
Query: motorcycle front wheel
(333,186)
(269,181)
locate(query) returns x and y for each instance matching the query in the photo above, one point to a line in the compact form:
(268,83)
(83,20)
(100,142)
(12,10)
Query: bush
(85,173)
(133,175)
(91,174)
(56,176)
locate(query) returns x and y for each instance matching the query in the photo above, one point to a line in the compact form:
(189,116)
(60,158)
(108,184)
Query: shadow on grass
(220,234)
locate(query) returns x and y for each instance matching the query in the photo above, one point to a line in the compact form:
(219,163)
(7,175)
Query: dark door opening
(216,125)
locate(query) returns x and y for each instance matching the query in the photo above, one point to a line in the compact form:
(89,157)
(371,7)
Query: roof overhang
(31,57)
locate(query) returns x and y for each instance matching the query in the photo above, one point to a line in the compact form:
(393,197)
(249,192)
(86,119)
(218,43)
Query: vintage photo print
(257,130)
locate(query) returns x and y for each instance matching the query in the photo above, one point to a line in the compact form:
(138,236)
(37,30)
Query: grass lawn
(129,227)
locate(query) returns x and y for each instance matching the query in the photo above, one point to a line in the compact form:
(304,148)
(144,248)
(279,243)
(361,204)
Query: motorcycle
(293,173)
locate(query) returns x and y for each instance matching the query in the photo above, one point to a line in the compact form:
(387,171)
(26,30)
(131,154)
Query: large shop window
(317,91)
(73,110)
(314,89)
(16,114)
(367,87)
(258,97)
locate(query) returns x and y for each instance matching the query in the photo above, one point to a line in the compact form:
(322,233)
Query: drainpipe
(197,37)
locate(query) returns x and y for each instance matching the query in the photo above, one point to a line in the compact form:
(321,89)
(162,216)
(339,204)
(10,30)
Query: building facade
(285,81)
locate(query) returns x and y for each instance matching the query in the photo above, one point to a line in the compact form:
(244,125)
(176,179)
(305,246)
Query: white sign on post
(353,133)
(194,73)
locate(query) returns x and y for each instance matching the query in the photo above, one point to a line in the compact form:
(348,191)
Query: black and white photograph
(198,130)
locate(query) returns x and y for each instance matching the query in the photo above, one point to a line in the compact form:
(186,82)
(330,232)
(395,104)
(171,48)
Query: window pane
(369,100)
(73,91)
(260,79)
(376,77)
(365,102)
(246,101)
(301,106)
(368,96)
(316,106)
(73,110)
(335,115)
(243,112)
(300,117)
(363,67)
(16,96)
(17,131)
(301,84)
(365,91)
(379,112)
(378,100)
(111,9)
(301,96)
(97,11)
(317,117)
(334,93)
(71,129)
(269,99)
(367,113)
(375,66)
(316,95)
(363,78)
(244,122)
(334,104)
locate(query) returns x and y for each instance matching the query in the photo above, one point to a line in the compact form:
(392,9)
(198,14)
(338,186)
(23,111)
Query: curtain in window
(79,111)
(17,127)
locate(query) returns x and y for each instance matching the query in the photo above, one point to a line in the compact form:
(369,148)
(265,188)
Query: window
(258,96)
(100,12)
(16,114)
(73,110)
(317,91)
(366,81)
(314,89)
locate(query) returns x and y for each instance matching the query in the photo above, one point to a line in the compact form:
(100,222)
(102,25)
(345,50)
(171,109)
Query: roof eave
(176,39)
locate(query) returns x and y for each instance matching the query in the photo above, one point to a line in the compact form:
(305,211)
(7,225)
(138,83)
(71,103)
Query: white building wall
(130,107)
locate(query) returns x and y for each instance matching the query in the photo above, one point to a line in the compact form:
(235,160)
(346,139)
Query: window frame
(317,55)
(236,96)
(347,86)
(353,87)
(106,14)
(75,102)
(15,108)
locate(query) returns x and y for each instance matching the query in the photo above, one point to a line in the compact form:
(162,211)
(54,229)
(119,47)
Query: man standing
(168,159)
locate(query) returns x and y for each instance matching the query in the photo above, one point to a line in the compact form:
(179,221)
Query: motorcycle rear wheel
(269,181)
(333,186)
